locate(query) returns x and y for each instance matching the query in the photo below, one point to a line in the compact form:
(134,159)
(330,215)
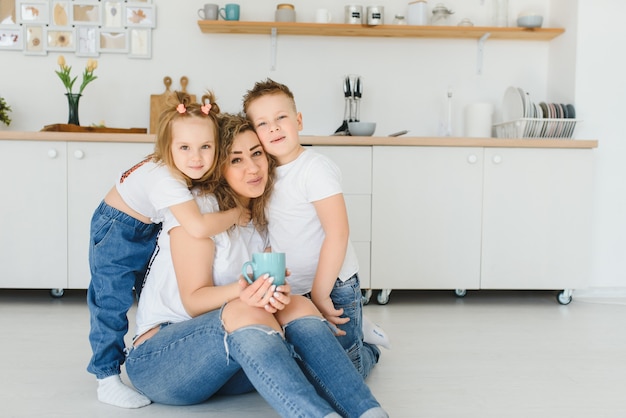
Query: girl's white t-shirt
(149,189)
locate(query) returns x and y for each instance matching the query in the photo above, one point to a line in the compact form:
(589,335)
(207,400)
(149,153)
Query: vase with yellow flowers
(68,81)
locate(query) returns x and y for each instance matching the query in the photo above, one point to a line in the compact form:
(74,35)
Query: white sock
(113,391)
(374,334)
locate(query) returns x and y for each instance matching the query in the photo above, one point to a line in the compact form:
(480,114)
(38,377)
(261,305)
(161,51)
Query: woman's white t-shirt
(160,299)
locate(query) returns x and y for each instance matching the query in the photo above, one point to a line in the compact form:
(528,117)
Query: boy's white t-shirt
(294,227)
(149,189)
(160,299)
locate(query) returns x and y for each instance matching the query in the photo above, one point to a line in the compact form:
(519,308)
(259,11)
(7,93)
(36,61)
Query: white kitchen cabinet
(426,217)
(33,218)
(474,218)
(92,170)
(52,189)
(536,218)
(355,164)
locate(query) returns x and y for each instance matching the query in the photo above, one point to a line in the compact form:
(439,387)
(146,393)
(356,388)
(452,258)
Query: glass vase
(72,103)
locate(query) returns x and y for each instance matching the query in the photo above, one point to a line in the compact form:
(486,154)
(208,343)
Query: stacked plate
(534,120)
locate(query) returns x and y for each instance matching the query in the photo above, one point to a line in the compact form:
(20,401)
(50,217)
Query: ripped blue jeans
(188,362)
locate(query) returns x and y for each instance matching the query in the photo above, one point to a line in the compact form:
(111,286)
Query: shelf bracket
(481,48)
(273,46)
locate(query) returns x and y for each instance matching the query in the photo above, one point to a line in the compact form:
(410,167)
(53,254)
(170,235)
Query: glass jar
(285,12)
(501,13)
(441,15)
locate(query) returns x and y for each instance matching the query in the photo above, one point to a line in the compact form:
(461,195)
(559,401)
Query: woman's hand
(262,293)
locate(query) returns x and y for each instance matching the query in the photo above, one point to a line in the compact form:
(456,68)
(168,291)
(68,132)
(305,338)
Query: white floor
(492,354)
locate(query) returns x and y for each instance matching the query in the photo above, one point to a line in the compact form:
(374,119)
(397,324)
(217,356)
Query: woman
(202,332)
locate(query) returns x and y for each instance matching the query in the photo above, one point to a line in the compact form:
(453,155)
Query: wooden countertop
(323,140)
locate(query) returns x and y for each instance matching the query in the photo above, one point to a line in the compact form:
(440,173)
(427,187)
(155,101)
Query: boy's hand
(331,314)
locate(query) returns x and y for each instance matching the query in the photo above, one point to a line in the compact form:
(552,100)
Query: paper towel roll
(478,120)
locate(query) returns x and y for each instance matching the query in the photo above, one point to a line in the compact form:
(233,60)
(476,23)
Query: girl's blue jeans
(347,295)
(305,374)
(119,251)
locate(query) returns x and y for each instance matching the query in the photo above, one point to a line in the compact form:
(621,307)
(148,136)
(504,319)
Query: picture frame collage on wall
(87,28)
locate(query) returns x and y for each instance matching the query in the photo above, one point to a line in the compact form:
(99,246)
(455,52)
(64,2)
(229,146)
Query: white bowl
(361,128)
(530,21)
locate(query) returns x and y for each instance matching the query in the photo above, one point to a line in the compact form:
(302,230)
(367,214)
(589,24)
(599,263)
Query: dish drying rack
(548,128)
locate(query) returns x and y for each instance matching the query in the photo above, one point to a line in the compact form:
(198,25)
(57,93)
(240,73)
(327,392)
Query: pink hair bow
(181,108)
(206,108)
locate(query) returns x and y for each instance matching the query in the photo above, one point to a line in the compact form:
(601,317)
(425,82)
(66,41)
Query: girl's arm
(193,265)
(334,219)
(205,225)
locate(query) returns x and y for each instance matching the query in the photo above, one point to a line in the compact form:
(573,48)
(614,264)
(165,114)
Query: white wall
(405,81)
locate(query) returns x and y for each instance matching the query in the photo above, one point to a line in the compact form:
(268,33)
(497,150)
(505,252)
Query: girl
(125,226)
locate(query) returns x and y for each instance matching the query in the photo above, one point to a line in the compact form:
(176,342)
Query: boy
(308,221)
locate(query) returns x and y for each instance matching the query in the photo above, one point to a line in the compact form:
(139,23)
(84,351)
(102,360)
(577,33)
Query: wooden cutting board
(159,101)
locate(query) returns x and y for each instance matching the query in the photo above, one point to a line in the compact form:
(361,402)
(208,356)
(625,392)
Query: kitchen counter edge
(324,140)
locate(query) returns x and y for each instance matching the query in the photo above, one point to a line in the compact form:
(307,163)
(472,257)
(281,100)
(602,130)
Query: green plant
(4,112)
(68,81)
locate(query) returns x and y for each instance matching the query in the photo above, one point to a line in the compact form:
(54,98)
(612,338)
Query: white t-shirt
(160,299)
(294,227)
(149,189)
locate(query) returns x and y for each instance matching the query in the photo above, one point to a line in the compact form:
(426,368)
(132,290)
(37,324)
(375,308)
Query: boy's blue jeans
(119,251)
(347,295)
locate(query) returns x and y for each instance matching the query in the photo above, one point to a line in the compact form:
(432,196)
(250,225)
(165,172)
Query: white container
(501,13)
(354,14)
(418,13)
(375,15)
(478,120)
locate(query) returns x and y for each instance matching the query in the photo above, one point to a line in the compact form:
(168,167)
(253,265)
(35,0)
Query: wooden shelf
(391,31)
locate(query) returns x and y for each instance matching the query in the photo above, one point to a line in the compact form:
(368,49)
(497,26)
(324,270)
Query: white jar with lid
(418,13)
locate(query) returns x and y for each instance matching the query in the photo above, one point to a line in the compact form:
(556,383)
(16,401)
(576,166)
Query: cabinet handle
(78,154)
(472,159)
(52,153)
(496,159)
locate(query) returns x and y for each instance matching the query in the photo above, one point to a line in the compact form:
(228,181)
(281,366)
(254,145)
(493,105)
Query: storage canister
(418,13)
(285,12)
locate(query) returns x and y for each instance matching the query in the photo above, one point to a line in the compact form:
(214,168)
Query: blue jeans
(188,362)
(119,251)
(347,295)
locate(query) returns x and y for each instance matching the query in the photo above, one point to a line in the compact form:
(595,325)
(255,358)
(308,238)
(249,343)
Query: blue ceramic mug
(230,12)
(265,263)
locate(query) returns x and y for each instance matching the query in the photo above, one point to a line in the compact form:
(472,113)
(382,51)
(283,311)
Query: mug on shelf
(230,11)
(209,12)
(322,16)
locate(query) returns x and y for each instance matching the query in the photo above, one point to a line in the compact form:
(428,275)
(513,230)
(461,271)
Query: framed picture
(11,38)
(60,13)
(60,39)
(86,41)
(84,13)
(7,12)
(112,14)
(140,43)
(113,41)
(33,11)
(34,40)
(139,14)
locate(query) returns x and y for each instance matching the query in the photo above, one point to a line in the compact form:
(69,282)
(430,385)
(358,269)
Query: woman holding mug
(203,330)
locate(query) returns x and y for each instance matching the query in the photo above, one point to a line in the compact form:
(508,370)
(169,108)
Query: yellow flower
(67,79)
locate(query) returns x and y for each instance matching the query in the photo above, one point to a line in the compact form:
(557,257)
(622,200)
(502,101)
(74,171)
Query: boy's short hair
(265,88)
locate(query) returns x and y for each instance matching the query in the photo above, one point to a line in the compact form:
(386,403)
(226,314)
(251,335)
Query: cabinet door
(536,218)
(92,170)
(426,217)
(355,164)
(33,219)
